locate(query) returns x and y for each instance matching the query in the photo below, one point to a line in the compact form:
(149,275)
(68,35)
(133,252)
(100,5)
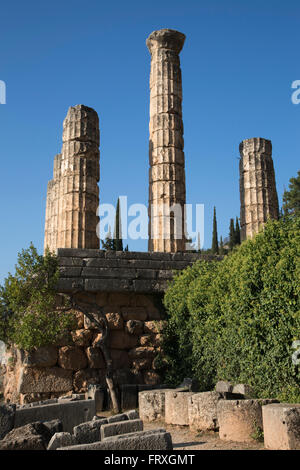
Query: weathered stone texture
(202,411)
(152,405)
(167,170)
(240,420)
(259,201)
(73,193)
(176,407)
(281,423)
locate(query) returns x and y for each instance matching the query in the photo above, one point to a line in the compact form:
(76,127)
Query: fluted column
(259,201)
(167,171)
(73,194)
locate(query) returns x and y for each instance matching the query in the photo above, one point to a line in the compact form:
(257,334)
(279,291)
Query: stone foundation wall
(134,322)
(129,289)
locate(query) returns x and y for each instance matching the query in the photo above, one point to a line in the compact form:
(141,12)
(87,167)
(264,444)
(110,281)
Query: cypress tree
(237,232)
(118,242)
(231,234)
(108,243)
(215,245)
(221,249)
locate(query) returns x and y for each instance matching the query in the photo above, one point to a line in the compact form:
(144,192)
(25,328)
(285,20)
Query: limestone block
(43,380)
(115,321)
(145,440)
(89,432)
(176,407)
(223,386)
(134,327)
(281,424)
(117,418)
(240,420)
(152,404)
(244,389)
(133,414)
(122,427)
(61,439)
(34,436)
(72,358)
(41,357)
(202,411)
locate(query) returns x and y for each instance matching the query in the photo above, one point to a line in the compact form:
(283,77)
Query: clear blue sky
(238,63)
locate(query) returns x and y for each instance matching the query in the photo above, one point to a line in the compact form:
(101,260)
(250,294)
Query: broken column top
(256,144)
(81,124)
(166,39)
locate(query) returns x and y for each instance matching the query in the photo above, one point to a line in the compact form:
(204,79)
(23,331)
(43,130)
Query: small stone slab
(122,427)
(88,432)
(61,439)
(281,423)
(154,441)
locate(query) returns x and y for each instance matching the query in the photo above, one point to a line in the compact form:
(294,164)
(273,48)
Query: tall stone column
(167,170)
(73,194)
(259,201)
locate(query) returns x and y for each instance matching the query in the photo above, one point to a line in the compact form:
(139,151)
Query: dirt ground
(183,439)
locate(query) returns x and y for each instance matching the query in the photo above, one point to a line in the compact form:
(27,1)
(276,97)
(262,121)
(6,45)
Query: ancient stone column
(259,201)
(73,193)
(167,171)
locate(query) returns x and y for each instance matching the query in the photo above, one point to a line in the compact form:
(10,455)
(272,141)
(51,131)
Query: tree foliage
(237,319)
(291,198)
(28,314)
(215,244)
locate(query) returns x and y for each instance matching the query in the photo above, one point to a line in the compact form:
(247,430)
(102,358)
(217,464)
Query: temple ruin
(128,287)
(259,201)
(167,172)
(73,193)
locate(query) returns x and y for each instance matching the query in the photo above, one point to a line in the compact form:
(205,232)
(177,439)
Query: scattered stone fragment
(176,407)
(223,386)
(7,419)
(122,427)
(33,436)
(281,423)
(54,426)
(86,433)
(241,420)
(154,441)
(61,439)
(117,418)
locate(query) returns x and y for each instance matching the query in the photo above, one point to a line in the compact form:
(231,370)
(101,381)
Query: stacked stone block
(259,201)
(73,193)
(134,323)
(167,171)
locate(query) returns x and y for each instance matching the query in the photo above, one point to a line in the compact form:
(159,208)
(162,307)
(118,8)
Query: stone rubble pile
(231,410)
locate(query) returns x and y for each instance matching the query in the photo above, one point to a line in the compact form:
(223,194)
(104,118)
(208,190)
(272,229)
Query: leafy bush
(237,319)
(28,314)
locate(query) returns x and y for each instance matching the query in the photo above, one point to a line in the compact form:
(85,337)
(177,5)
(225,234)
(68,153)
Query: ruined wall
(259,201)
(75,363)
(73,193)
(128,287)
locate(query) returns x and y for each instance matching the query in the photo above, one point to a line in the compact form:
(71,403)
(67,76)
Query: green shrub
(237,319)
(28,314)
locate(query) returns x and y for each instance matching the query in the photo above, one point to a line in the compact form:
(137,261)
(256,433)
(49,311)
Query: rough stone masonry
(73,193)
(167,171)
(259,201)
